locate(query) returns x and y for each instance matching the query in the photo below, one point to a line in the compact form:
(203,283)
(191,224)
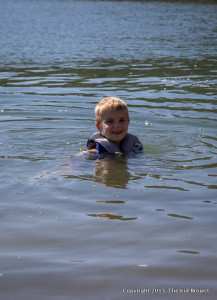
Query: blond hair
(108,104)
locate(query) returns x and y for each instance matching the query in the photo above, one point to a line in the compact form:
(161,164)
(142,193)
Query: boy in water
(112,121)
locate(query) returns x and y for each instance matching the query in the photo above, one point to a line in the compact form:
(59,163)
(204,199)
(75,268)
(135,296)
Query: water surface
(133,227)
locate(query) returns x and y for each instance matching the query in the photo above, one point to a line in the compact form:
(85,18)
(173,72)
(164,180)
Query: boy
(112,120)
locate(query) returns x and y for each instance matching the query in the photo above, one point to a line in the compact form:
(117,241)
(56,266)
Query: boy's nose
(116,124)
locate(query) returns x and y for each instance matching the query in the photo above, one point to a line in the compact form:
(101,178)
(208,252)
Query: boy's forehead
(114,112)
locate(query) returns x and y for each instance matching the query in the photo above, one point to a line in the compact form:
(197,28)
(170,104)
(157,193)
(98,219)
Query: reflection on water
(179,216)
(112,173)
(188,252)
(109,201)
(111,217)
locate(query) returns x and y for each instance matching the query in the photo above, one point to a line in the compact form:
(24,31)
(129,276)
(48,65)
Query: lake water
(139,227)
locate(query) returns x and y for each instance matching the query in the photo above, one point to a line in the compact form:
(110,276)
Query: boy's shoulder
(131,143)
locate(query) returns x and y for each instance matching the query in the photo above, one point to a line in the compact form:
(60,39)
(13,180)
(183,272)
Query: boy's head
(110,104)
(112,119)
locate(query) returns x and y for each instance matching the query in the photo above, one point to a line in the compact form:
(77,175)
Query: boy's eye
(111,121)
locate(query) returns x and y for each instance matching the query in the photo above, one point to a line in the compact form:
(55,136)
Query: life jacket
(129,144)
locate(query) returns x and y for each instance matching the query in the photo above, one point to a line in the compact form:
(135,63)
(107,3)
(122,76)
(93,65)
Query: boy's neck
(118,144)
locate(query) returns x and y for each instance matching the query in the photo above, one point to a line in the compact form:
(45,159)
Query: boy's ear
(97,125)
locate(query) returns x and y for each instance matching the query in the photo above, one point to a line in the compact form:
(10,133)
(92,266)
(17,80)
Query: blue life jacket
(129,144)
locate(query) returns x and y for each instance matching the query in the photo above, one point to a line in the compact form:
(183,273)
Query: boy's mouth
(117,132)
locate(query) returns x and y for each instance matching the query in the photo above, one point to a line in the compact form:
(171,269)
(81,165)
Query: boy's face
(114,125)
